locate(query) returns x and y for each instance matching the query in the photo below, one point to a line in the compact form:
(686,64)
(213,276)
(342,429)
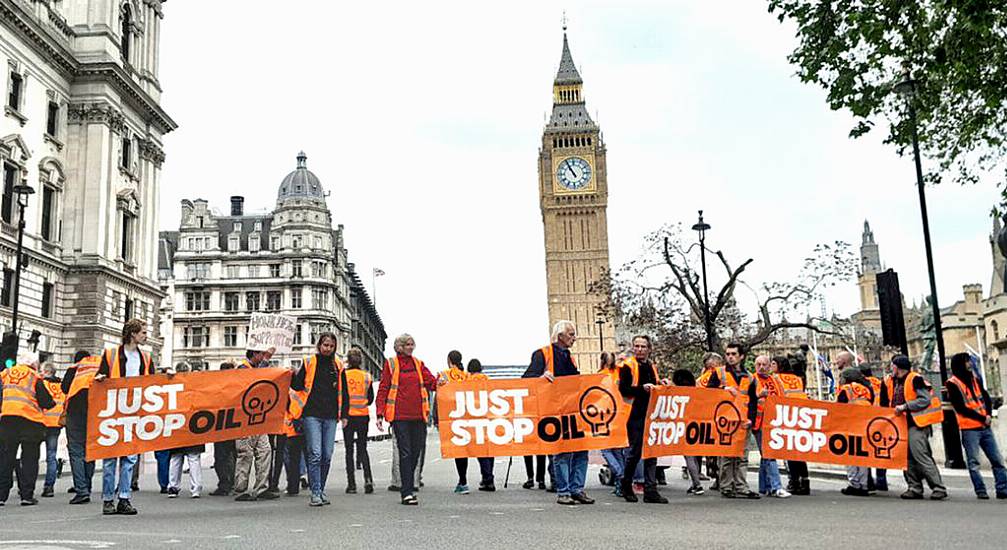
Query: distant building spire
(870,258)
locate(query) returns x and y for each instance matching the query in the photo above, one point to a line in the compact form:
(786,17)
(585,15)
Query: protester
(118,362)
(910,394)
(614,458)
(319,380)
(253,452)
(792,374)
(733,379)
(403,401)
(225,456)
(638,377)
(357,396)
(972,406)
(51,420)
(22,402)
(453,374)
(76,381)
(293,456)
(279,443)
(856,390)
(549,362)
(712,469)
(191,456)
(881,484)
(486,483)
(685,378)
(766,383)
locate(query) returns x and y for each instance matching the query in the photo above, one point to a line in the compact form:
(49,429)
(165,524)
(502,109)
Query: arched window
(127,24)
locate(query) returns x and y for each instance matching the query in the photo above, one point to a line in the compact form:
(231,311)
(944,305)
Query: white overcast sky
(423,120)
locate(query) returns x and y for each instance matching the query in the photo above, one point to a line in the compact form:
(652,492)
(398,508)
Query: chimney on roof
(237,205)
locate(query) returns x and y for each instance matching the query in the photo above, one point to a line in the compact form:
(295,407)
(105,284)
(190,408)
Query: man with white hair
(22,426)
(554,360)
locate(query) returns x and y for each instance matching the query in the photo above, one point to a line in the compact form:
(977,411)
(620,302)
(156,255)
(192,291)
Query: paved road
(511,518)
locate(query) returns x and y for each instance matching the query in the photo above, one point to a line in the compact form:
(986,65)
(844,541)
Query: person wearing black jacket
(357,395)
(972,405)
(225,459)
(22,428)
(637,378)
(321,411)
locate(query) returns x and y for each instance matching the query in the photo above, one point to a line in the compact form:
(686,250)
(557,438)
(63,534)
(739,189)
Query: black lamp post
(949,428)
(702,227)
(600,321)
(22,191)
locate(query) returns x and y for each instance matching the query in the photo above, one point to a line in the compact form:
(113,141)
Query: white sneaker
(195,495)
(780,493)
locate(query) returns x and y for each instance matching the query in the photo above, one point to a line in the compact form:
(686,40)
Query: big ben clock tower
(573,195)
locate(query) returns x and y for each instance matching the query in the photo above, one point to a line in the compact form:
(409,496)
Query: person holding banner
(253,452)
(403,401)
(225,456)
(76,381)
(52,427)
(119,362)
(614,458)
(972,406)
(799,480)
(453,374)
(855,390)
(319,380)
(637,378)
(732,469)
(766,383)
(549,362)
(475,368)
(22,402)
(357,396)
(913,396)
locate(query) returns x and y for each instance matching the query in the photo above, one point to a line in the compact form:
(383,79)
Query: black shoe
(268,495)
(582,498)
(165,491)
(125,508)
(172,492)
(1001,496)
(489,487)
(410,500)
(420,485)
(567,501)
(368,488)
(541,485)
(628,494)
(72,489)
(654,498)
(351,489)
(108,508)
(80,499)
(220,493)
(530,484)
(804,489)
(135,487)
(47,492)
(394,488)
(245,497)
(750,495)
(855,492)
(728,494)
(304,483)
(982,496)
(911,495)
(293,492)
(31,501)
(936,495)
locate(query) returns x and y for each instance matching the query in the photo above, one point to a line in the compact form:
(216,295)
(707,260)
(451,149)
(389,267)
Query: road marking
(171,541)
(538,509)
(231,537)
(297,530)
(356,525)
(453,517)
(496,513)
(91,543)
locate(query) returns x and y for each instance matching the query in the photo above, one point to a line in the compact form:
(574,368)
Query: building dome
(301,183)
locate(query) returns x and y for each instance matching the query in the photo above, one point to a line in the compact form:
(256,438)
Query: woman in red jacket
(403,401)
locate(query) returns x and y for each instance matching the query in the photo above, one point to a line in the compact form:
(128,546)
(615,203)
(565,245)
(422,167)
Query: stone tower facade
(573,193)
(870,265)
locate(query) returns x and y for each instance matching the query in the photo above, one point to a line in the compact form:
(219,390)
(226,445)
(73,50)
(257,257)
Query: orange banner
(530,416)
(835,433)
(137,414)
(691,421)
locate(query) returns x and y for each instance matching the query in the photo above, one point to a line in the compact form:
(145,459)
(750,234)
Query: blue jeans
(769,470)
(163,466)
(319,442)
(51,441)
(973,441)
(571,472)
(616,460)
(82,471)
(124,465)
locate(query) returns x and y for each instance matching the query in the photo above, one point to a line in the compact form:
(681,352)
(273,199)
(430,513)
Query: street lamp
(702,227)
(22,191)
(600,321)
(949,428)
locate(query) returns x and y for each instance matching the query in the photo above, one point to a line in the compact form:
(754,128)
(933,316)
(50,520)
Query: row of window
(7,293)
(8,203)
(574,141)
(319,269)
(199,300)
(15,102)
(199,336)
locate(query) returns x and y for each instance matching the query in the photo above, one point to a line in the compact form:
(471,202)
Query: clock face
(573,173)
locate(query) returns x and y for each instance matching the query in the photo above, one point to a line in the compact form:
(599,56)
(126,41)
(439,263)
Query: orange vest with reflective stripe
(84,375)
(772,384)
(310,363)
(358,381)
(478,376)
(19,397)
(973,398)
(634,369)
(393,390)
(550,364)
(876,386)
(454,374)
(50,417)
(793,386)
(930,415)
(704,378)
(115,370)
(856,394)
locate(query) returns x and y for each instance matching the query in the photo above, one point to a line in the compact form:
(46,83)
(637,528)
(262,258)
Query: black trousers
(355,439)
(486,469)
(277,451)
(796,471)
(411,438)
(534,467)
(15,433)
(462,467)
(634,431)
(292,458)
(225,460)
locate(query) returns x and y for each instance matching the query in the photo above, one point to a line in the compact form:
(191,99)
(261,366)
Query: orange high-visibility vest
(84,375)
(613,374)
(930,415)
(973,400)
(358,381)
(550,365)
(455,374)
(634,369)
(115,370)
(704,377)
(295,404)
(310,363)
(478,376)
(50,417)
(889,385)
(726,379)
(19,397)
(774,385)
(876,386)
(393,390)
(856,394)
(793,386)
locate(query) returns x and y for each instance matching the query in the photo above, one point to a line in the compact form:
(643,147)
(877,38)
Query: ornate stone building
(368,330)
(83,127)
(573,196)
(222,268)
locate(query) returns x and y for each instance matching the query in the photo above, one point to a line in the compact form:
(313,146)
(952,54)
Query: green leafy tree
(955,50)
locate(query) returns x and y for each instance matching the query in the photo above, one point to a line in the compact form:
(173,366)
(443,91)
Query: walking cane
(507,477)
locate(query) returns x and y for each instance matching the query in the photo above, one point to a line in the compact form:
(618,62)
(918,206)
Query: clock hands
(571,168)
